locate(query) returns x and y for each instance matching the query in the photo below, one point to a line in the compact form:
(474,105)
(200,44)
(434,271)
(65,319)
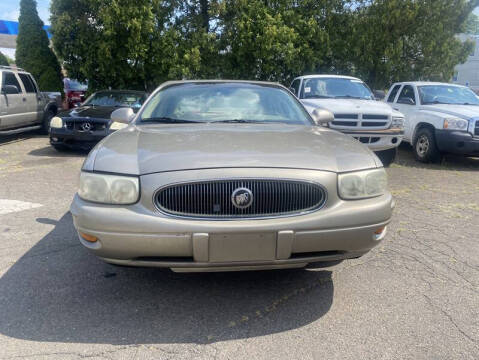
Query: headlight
(56,122)
(455,124)
(397,122)
(117,125)
(108,189)
(362,184)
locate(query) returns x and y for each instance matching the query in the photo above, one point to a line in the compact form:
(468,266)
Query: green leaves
(3,60)
(140,43)
(33,51)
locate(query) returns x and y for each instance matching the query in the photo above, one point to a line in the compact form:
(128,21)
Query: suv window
(33,83)
(295,86)
(393,93)
(407,95)
(9,78)
(27,83)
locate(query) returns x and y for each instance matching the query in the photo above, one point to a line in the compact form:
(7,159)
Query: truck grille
(360,121)
(476,129)
(213,199)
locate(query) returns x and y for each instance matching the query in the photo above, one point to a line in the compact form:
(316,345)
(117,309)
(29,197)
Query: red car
(74,93)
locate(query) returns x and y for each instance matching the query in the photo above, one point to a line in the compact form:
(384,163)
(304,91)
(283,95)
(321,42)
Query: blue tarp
(11,28)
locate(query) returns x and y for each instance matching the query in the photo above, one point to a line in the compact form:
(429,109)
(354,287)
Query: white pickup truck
(22,106)
(355,110)
(440,118)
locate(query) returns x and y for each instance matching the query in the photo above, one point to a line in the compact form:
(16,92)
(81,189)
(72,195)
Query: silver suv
(22,106)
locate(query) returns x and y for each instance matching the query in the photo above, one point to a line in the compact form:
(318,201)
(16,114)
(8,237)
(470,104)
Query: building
(9,32)
(468,73)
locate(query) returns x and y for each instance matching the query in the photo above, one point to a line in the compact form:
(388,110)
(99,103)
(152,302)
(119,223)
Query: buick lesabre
(229,175)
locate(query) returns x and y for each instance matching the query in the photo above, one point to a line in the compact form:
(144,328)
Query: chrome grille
(360,121)
(213,199)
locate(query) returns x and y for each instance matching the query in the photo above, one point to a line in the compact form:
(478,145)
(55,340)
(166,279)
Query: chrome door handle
(396,109)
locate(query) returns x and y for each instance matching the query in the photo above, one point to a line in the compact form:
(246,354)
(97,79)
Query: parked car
(229,175)
(440,118)
(82,127)
(22,106)
(75,92)
(355,110)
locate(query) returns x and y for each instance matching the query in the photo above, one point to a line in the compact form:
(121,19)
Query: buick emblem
(86,126)
(242,198)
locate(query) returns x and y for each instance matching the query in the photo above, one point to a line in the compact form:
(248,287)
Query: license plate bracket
(242,247)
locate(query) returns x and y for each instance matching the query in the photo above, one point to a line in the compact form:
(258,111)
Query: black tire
(47,118)
(387,157)
(424,146)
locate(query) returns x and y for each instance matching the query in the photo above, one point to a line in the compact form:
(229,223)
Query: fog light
(89,238)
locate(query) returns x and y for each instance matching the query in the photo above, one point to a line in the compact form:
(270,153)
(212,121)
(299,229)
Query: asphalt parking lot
(415,296)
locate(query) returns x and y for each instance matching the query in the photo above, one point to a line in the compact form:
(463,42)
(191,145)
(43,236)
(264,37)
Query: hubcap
(422,145)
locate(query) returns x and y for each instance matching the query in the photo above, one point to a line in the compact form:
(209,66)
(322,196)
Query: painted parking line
(11,206)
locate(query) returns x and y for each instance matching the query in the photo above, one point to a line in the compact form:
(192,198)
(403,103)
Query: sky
(10,9)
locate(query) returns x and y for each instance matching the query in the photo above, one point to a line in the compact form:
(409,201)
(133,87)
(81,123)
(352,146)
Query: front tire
(424,146)
(47,118)
(387,157)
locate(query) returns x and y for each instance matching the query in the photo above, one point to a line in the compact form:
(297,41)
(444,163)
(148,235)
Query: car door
(31,102)
(13,111)
(407,103)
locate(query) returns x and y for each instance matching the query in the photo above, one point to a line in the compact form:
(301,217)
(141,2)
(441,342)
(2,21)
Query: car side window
(9,78)
(295,86)
(33,83)
(407,96)
(27,83)
(393,93)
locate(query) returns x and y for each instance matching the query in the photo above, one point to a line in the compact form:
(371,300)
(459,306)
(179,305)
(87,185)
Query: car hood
(349,106)
(148,149)
(89,112)
(462,111)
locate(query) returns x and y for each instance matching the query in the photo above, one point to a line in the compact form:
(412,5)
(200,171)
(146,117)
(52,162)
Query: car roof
(425,83)
(121,91)
(327,76)
(217,81)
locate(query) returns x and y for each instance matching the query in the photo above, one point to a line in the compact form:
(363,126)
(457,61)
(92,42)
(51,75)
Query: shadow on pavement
(51,152)
(59,292)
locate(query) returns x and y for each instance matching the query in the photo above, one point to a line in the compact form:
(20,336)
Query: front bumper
(457,142)
(378,140)
(139,235)
(75,138)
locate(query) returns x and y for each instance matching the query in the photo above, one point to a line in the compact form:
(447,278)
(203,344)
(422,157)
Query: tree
(3,60)
(400,40)
(33,52)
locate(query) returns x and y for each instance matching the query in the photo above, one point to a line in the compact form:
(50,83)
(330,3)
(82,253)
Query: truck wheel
(387,157)
(425,149)
(47,118)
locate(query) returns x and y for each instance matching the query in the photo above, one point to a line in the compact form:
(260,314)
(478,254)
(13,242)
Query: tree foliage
(139,44)
(3,60)
(33,52)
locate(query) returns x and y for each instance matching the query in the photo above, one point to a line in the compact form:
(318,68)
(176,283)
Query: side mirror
(322,117)
(293,90)
(406,101)
(10,89)
(122,115)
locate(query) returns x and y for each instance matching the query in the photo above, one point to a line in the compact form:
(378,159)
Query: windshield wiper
(349,97)
(243,121)
(318,97)
(436,102)
(167,120)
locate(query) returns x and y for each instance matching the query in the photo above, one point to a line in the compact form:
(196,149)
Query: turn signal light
(379,231)
(89,238)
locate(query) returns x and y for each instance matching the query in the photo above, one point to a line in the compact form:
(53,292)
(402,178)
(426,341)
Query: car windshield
(116,99)
(447,94)
(324,88)
(224,102)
